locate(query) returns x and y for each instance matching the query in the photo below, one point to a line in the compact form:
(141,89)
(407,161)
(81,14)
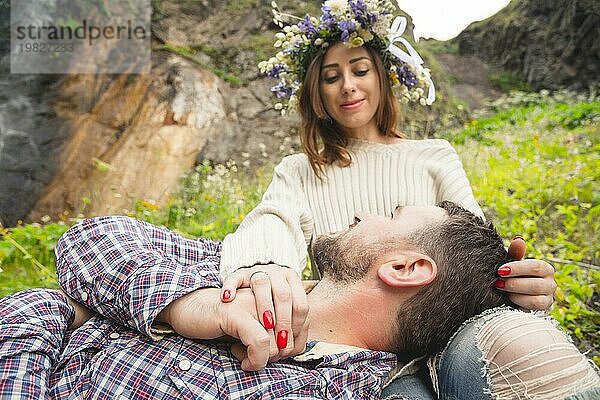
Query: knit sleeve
(278,230)
(451,180)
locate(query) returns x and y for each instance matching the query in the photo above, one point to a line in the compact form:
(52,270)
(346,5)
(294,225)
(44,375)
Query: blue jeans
(471,366)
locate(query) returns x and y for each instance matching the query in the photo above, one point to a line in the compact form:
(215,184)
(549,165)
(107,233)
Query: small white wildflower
(246,155)
(287,28)
(278,106)
(220,170)
(273,4)
(262,146)
(318,41)
(293,101)
(280,35)
(277,43)
(366,35)
(314,21)
(45,219)
(423,101)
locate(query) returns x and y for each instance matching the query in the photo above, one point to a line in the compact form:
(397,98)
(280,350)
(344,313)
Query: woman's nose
(349,86)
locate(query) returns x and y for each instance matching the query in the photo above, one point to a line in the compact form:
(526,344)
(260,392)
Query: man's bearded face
(339,261)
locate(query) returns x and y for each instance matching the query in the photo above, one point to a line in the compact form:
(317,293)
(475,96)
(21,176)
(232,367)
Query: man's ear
(407,269)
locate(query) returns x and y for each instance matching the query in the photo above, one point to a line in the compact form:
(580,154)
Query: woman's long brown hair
(318,126)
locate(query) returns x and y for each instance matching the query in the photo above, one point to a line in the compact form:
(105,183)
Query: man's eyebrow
(352,61)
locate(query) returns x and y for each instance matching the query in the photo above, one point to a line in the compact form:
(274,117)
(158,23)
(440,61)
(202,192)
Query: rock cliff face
(550,44)
(131,137)
(94,143)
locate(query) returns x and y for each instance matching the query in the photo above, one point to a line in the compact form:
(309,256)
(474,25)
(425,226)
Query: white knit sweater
(298,206)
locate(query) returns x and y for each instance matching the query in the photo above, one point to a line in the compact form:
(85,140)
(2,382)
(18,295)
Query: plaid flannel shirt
(128,271)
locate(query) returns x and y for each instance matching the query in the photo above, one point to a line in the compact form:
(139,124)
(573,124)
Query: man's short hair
(468,252)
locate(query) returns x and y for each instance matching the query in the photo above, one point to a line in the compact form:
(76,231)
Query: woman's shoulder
(428,143)
(297,162)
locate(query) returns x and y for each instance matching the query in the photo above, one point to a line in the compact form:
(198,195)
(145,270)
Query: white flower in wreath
(337,7)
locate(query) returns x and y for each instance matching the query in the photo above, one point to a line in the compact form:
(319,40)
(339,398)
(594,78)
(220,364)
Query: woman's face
(349,88)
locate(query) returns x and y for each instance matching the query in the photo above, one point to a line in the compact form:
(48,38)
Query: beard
(341,261)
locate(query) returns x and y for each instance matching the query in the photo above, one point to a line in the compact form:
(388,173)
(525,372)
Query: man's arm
(32,328)
(201,315)
(129,270)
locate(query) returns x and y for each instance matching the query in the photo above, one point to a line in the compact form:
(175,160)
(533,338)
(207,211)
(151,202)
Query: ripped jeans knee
(508,354)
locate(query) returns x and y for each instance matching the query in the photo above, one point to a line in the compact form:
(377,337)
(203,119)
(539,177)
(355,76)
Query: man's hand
(530,282)
(201,315)
(281,304)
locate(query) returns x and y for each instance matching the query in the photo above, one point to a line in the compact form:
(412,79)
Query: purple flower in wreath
(359,8)
(281,90)
(406,77)
(277,69)
(327,18)
(346,27)
(309,29)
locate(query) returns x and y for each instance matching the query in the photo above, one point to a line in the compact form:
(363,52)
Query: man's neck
(344,315)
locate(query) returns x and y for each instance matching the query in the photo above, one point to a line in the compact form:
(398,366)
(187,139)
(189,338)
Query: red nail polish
(282,338)
(503,271)
(226,295)
(518,237)
(500,284)
(268,320)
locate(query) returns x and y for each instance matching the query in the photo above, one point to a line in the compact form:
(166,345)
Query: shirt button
(114,335)
(185,365)
(84,296)
(204,273)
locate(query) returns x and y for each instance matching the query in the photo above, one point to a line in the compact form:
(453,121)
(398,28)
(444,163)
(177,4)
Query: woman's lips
(352,104)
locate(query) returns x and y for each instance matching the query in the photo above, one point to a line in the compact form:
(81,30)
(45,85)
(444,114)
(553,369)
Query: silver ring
(258,272)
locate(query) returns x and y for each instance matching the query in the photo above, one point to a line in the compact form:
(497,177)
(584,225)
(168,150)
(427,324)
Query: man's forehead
(424,213)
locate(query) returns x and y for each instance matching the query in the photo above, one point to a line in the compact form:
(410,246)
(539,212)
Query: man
(390,285)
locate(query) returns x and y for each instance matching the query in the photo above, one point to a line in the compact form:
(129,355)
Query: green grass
(534,165)
(536,171)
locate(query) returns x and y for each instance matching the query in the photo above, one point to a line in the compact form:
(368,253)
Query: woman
(355,160)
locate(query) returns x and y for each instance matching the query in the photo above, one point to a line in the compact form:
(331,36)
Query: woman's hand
(530,282)
(281,305)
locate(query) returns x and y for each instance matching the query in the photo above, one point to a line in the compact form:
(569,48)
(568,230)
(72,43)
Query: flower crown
(353,22)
